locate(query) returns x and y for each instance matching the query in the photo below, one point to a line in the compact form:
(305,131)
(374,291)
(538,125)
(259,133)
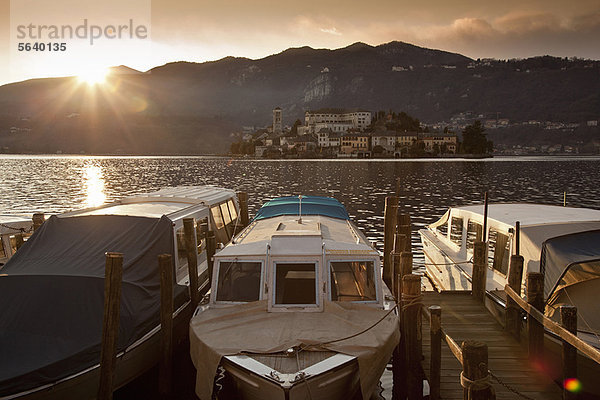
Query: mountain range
(185,107)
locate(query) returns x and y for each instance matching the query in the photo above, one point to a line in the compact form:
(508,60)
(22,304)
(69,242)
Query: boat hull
(129,366)
(341,383)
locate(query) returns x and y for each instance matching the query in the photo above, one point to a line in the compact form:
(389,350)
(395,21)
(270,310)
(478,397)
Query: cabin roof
(167,201)
(286,236)
(534,214)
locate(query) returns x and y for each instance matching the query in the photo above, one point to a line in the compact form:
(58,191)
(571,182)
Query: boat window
(225,213)
(295,283)
(238,281)
(456,230)
(216,213)
(474,234)
(499,251)
(443,229)
(2,251)
(353,281)
(232,210)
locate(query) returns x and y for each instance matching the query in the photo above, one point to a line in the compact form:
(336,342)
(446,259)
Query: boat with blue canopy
(297,309)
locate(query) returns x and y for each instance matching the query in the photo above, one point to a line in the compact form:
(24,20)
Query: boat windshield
(295,283)
(239,281)
(499,253)
(353,281)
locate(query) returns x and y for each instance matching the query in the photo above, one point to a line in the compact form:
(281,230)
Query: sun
(94,76)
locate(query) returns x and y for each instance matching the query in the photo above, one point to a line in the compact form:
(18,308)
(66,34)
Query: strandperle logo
(87,31)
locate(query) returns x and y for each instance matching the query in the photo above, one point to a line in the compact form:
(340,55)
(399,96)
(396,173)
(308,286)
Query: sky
(202,30)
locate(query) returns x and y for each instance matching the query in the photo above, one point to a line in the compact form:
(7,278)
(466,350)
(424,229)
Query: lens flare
(572,385)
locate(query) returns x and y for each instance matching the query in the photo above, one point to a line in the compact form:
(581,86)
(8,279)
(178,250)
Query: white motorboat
(561,242)
(51,290)
(298,309)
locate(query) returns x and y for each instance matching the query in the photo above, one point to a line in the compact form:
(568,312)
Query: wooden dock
(464,318)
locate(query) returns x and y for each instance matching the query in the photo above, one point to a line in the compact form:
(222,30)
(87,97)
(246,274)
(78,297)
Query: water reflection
(93,184)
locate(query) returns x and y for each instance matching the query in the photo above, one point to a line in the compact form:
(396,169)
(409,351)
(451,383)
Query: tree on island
(475,140)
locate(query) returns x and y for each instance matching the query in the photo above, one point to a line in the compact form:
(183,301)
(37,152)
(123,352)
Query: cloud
(527,23)
(332,31)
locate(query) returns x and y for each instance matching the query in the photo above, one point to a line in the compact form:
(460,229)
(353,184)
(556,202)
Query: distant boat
(52,290)
(298,309)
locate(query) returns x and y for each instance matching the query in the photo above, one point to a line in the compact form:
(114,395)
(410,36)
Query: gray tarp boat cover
(571,268)
(249,328)
(52,295)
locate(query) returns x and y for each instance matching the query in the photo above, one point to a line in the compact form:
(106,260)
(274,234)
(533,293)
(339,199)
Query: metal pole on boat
(192,258)
(300,209)
(564,199)
(165,375)
(485,214)
(518,238)
(110,327)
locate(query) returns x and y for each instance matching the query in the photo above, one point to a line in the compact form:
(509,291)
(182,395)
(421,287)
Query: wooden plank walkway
(466,319)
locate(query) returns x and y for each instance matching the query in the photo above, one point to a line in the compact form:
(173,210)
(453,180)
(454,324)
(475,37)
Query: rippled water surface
(426,188)
(56,184)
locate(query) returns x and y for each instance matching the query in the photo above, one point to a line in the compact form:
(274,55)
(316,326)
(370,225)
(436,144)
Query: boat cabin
(451,239)
(296,262)
(217,207)
(13,230)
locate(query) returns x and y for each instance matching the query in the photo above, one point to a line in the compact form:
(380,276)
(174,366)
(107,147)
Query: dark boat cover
(566,255)
(52,295)
(311,205)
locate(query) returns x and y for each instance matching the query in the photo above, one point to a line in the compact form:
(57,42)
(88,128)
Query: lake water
(53,184)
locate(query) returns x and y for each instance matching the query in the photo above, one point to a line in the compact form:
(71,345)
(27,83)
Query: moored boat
(562,243)
(297,310)
(52,290)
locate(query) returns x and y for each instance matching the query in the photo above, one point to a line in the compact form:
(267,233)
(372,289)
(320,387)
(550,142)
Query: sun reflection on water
(93,183)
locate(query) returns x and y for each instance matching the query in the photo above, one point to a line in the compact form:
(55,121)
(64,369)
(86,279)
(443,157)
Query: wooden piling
(398,186)
(165,378)
(403,227)
(513,312)
(390,215)
(192,258)
(568,320)
(110,327)
(411,322)
(243,201)
(19,241)
(38,219)
(396,256)
(479,270)
(211,248)
(535,297)
(475,361)
(435,365)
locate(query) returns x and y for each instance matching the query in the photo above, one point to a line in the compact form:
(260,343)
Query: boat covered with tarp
(52,290)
